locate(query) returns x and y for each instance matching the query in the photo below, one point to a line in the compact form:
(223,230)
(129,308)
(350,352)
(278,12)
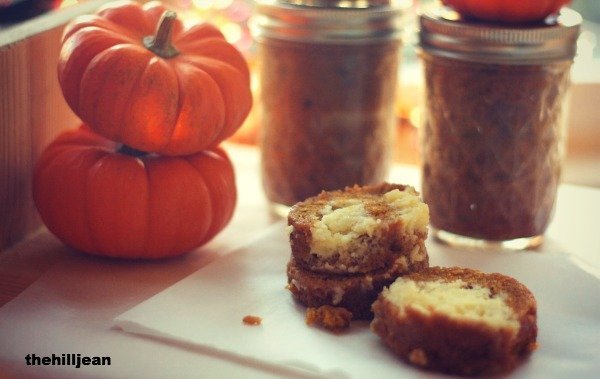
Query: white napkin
(206,310)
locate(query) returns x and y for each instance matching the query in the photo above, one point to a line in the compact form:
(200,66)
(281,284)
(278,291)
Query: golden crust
(332,318)
(465,347)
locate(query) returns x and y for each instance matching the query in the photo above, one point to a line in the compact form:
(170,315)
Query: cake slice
(457,320)
(357,230)
(348,245)
(355,292)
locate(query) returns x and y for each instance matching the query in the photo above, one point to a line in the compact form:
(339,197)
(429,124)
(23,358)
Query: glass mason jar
(328,82)
(493,133)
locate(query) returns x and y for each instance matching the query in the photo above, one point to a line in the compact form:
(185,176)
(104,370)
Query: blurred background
(33,111)
(231,16)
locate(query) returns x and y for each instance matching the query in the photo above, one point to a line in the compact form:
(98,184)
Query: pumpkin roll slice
(354,292)
(357,230)
(457,321)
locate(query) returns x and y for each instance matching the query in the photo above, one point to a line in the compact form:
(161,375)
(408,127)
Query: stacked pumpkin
(144,176)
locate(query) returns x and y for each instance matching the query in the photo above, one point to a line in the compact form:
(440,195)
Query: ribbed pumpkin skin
(172,106)
(509,11)
(104,202)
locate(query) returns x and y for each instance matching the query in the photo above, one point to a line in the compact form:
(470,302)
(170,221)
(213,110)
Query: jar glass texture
(493,144)
(492,147)
(327,110)
(328,117)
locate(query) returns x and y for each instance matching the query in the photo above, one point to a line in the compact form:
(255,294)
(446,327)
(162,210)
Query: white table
(66,301)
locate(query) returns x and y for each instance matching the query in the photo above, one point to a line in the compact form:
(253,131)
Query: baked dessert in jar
(328,79)
(493,133)
(457,321)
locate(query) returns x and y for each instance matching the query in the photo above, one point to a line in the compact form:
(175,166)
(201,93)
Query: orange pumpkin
(510,11)
(136,75)
(104,199)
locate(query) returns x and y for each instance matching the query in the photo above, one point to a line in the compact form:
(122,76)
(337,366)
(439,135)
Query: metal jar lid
(328,21)
(443,33)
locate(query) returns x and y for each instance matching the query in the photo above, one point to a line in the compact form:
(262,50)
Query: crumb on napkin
(333,318)
(252,320)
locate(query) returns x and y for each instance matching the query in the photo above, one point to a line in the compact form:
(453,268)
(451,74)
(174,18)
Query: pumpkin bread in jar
(493,136)
(457,320)
(348,244)
(328,83)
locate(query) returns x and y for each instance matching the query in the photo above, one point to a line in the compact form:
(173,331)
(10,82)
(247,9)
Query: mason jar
(493,136)
(328,80)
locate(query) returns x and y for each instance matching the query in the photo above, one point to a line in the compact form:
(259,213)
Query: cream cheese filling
(456,300)
(343,222)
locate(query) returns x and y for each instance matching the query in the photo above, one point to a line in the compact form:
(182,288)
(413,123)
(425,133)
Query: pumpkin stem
(128,150)
(160,44)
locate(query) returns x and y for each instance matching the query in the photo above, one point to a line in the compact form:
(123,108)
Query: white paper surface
(211,303)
